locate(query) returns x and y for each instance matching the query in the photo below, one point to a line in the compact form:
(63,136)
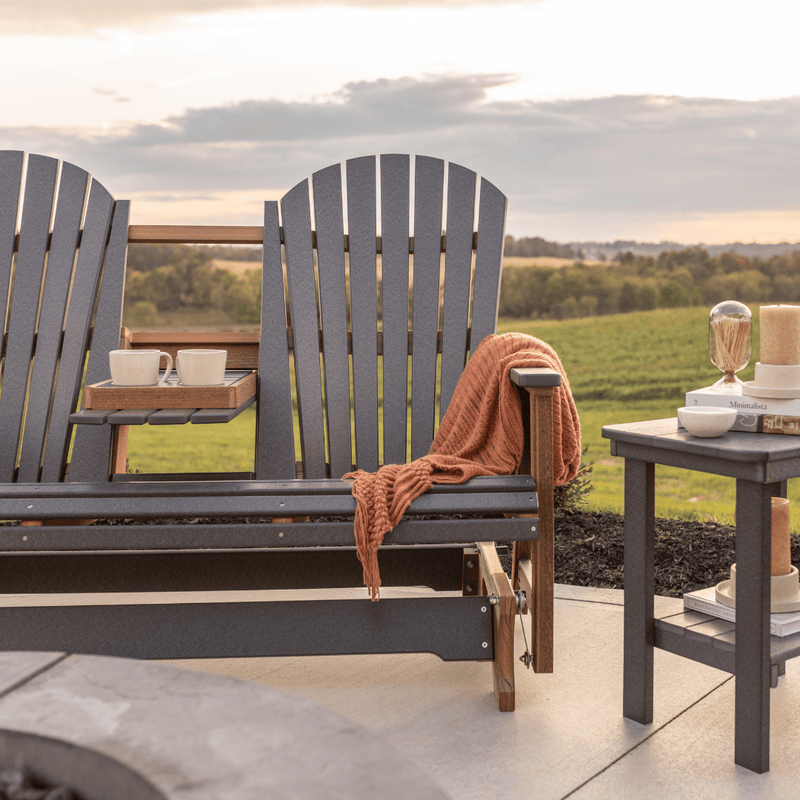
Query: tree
(143,315)
(243,298)
(673,295)
(537,247)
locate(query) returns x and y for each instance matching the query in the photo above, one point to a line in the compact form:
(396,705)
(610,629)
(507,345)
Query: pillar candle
(779,334)
(781,562)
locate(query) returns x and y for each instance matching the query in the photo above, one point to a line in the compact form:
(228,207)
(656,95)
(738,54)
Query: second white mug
(201,367)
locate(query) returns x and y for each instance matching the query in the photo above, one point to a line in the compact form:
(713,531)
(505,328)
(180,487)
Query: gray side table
(761,465)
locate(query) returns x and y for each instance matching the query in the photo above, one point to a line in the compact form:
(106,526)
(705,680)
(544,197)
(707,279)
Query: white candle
(779,334)
(781,562)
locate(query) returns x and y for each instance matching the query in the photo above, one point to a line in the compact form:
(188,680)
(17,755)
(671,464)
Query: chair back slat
(457,278)
(362,233)
(349,309)
(275,447)
(395,211)
(304,316)
(40,186)
(428,198)
(64,242)
(332,276)
(77,328)
(492,207)
(91,453)
(11,163)
(60,253)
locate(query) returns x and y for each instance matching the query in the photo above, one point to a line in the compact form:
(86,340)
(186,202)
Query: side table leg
(753,546)
(637,702)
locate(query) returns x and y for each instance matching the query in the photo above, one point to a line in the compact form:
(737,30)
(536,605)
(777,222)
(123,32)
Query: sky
(623,119)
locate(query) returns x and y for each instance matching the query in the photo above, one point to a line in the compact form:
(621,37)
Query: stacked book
(704,600)
(755,414)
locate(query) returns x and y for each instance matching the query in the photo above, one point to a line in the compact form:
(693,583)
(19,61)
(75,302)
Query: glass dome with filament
(730,343)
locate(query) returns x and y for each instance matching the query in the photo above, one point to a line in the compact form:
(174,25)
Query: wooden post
(119,450)
(542,551)
(504,613)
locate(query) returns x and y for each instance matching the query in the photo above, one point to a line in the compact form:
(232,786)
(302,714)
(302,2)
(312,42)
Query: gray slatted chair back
(390,278)
(58,227)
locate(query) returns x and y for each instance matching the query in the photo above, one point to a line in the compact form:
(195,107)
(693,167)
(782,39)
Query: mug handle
(168,371)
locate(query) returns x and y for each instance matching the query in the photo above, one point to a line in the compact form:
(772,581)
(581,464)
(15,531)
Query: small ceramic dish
(706,421)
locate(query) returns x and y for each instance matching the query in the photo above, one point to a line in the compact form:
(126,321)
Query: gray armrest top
(535,376)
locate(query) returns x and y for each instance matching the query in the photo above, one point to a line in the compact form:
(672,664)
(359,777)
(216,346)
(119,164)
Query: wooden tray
(239,386)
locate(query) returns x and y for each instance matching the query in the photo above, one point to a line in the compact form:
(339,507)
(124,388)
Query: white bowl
(707,421)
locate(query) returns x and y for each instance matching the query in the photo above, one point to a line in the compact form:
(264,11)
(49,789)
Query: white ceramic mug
(138,367)
(201,367)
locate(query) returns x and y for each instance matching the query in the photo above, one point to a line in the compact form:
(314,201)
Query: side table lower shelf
(712,641)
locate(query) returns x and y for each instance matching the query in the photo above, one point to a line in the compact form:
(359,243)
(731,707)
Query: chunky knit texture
(481,434)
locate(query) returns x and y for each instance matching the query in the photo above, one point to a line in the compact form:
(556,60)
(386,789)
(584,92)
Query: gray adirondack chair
(66,262)
(324,261)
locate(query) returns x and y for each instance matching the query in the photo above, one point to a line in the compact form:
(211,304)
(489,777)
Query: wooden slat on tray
(238,387)
(171,416)
(211,415)
(131,416)
(91,416)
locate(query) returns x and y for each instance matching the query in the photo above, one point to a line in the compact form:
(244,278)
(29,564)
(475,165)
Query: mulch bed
(688,555)
(589,550)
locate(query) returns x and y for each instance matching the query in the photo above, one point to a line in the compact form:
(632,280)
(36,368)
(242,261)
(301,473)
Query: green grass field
(621,368)
(632,367)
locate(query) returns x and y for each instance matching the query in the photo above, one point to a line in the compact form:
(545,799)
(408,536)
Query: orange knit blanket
(481,434)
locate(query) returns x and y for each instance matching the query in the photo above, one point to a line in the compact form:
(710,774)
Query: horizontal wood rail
(124,339)
(224,234)
(196,234)
(242,346)
(231,234)
(185,234)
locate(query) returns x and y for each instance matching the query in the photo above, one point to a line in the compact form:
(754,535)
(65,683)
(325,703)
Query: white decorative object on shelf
(785,580)
(704,601)
(706,421)
(777,373)
(729,343)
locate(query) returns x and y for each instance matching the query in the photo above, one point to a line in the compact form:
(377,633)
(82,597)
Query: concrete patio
(567,737)
(376,726)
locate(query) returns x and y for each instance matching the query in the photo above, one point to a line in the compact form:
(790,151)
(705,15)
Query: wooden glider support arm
(534,561)
(504,616)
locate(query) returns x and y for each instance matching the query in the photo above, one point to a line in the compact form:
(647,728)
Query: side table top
(666,443)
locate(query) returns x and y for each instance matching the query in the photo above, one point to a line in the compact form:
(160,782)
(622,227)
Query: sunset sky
(622,119)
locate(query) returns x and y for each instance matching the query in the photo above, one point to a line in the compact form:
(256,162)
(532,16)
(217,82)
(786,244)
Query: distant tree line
(687,277)
(163,279)
(537,247)
(168,278)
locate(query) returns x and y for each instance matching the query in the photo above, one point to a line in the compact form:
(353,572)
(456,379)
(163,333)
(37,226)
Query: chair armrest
(541,553)
(535,376)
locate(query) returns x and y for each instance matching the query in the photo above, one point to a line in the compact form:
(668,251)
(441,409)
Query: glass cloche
(729,343)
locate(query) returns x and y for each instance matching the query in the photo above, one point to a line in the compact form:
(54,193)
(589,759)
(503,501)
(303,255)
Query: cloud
(111,94)
(365,108)
(625,155)
(55,17)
